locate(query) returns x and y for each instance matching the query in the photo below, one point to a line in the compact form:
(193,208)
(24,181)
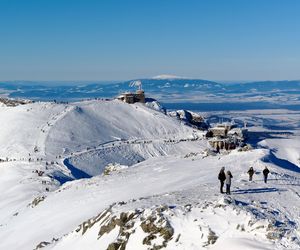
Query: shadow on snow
(257,190)
(257,136)
(285,164)
(77,173)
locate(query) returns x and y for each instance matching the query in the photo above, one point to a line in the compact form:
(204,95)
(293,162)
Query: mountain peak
(168,77)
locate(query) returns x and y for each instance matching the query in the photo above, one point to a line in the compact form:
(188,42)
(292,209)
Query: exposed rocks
(240,227)
(245,148)
(275,233)
(153,227)
(211,238)
(91,222)
(208,152)
(156,225)
(36,201)
(115,246)
(190,118)
(42,245)
(113,167)
(13,102)
(192,154)
(178,237)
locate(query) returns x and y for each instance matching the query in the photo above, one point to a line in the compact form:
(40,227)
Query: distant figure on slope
(266,171)
(228,181)
(222,178)
(251,173)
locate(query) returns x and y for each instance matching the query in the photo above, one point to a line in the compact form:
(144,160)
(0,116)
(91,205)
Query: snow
(290,152)
(156,162)
(165,77)
(242,243)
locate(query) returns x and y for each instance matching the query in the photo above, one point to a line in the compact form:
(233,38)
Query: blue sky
(126,39)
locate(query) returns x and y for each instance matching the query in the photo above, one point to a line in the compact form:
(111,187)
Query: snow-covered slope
(101,122)
(52,131)
(164,196)
(289,152)
(24,127)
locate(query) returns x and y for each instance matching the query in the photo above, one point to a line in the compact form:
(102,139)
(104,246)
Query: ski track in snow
(45,129)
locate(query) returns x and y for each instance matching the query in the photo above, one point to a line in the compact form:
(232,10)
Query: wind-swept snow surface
(109,175)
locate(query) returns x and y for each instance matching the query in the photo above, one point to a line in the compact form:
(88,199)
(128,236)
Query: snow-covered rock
(154,104)
(190,117)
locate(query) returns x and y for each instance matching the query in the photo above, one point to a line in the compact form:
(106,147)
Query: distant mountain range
(165,87)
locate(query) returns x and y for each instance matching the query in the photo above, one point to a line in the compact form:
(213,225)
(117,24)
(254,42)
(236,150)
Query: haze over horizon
(158,77)
(122,40)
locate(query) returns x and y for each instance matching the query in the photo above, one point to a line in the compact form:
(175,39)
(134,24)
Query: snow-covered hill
(164,77)
(161,190)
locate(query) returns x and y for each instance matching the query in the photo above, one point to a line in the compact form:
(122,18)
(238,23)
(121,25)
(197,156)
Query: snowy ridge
(170,227)
(164,77)
(160,189)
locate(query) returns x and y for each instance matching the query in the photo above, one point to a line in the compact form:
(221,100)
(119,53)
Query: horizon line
(147,78)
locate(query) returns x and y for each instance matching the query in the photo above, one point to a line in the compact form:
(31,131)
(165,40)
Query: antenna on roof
(136,83)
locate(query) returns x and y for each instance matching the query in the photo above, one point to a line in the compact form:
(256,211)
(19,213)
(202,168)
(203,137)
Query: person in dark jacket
(251,173)
(222,178)
(266,171)
(228,177)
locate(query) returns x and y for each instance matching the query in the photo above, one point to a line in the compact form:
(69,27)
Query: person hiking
(222,178)
(266,171)
(228,181)
(251,173)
